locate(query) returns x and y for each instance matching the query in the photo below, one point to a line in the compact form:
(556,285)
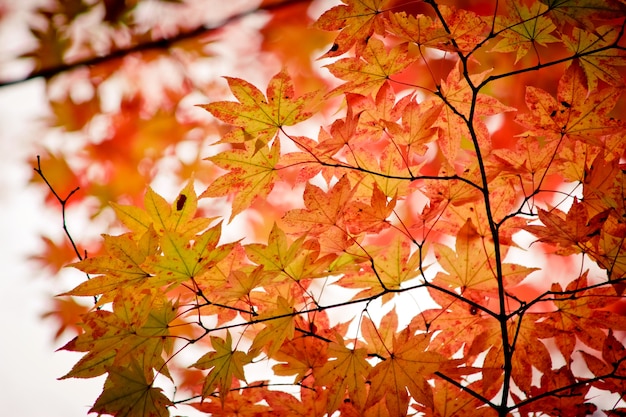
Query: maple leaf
(570,401)
(389,162)
(279,328)
(611,367)
(532,160)
(55,255)
(164,216)
(450,401)
(523,27)
(240,403)
(122,266)
(72,115)
(128,393)
(470,266)
(136,330)
(603,185)
(465,28)
(297,260)
(391,267)
(420,29)
(362,217)
(300,355)
(368,72)
(358,20)
(407,365)
(582,13)
(503,200)
(183,260)
(610,254)
(416,129)
(458,93)
(68,313)
(578,113)
(261,116)
(379,337)
(579,317)
(245,289)
(223,364)
(460,100)
(347,371)
(528,351)
(251,175)
(570,234)
(323,215)
(600,65)
(311,403)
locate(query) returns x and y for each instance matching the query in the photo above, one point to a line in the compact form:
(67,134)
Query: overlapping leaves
(407,201)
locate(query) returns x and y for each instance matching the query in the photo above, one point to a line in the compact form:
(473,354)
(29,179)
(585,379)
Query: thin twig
(63,202)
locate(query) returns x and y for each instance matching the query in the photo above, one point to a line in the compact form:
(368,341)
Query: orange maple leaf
(580,317)
(407,365)
(348,371)
(471,266)
(577,112)
(372,218)
(251,175)
(122,266)
(571,233)
(357,20)
(323,215)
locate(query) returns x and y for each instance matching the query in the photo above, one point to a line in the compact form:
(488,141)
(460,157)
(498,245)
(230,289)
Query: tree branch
(157,44)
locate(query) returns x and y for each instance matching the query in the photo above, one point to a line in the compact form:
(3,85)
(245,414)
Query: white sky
(29,364)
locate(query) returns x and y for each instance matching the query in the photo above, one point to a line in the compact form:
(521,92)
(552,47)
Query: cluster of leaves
(397,283)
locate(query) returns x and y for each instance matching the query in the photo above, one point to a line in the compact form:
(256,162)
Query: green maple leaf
(599,65)
(121,266)
(523,27)
(128,393)
(295,260)
(251,175)
(176,216)
(223,364)
(259,116)
(184,259)
(135,330)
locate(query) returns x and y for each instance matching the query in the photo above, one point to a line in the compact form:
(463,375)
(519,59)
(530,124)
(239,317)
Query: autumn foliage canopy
(385,208)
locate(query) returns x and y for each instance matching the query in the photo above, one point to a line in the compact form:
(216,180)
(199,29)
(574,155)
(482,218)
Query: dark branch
(63,203)
(157,44)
